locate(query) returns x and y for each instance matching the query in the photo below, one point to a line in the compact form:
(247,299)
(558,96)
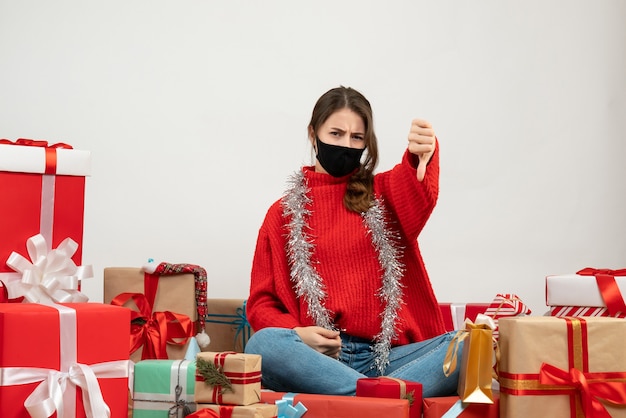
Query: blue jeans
(289,365)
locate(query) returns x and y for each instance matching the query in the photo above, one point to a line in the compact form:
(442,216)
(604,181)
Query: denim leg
(289,365)
(423,362)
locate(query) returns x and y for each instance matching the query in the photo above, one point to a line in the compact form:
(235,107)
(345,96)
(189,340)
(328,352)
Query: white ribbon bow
(49,277)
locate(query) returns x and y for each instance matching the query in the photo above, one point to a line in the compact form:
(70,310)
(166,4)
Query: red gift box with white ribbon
(59,360)
(43,190)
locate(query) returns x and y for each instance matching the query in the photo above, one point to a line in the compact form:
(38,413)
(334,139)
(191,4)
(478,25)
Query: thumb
(421,167)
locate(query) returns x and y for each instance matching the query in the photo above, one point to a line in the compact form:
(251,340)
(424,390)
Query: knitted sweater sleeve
(410,201)
(271,296)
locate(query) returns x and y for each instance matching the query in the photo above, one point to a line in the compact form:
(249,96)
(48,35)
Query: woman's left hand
(422,143)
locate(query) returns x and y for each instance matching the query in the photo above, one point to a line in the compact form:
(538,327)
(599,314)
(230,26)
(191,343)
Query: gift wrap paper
(244,373)
(175,293)
(437,407)
(50,204)
(389,387)
(155,388)
(258,410)
(583,311)
(326,406)
(227,325)
(594,347)
(454,314)
(52,338)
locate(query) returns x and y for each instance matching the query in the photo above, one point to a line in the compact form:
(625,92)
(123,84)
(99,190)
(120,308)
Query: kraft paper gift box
(562,367)
(257,410)
(589,292)
(227,325)
(454,314)
(437,407)
(389,387)
(43,192)
(171,294)
(42,345)
(228,378)
(324,406)
(164,388)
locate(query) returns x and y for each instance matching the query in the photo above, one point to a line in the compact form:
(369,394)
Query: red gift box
(437,407)
(43,346)
(454,314)
(324,406)
(43,190)
(389,387)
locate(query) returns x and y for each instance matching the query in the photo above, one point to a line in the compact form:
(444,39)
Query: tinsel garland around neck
(310,286)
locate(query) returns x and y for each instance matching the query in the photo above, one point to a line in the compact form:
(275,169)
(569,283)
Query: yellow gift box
(562,367)
(228,378)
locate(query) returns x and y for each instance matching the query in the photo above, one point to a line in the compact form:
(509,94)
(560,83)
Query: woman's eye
(358,138)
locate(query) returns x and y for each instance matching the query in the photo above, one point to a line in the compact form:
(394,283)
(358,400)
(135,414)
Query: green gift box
(164,388)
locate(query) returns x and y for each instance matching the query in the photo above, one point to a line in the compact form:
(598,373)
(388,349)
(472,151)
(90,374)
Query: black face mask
(338,161)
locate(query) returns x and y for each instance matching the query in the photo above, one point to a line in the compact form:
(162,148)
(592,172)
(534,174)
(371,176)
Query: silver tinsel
(309,284)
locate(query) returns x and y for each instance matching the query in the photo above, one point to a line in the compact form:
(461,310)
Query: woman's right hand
(320,339)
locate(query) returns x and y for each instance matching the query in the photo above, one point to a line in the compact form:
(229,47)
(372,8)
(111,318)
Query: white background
(195,113)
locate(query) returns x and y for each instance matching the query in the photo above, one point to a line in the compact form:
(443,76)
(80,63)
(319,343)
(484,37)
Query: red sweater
(346,260)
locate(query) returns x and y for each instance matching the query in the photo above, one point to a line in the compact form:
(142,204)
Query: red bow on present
(4,295)
(154,330)
(607,285)
(610,387)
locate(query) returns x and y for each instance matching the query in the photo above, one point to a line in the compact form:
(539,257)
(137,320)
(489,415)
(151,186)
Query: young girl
(338,289)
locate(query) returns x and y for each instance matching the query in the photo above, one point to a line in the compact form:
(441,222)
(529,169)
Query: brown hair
(360,192)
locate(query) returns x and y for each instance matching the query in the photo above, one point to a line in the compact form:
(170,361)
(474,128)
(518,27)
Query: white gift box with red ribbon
(588,288)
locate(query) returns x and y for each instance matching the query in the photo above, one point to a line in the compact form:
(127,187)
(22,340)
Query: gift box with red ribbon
(228,378)
(390,387)
(589,292)
(451,406)
(324,406)
(71,359)
(455,314)
(257,410)
(562,367)
(168,302)
(43,191)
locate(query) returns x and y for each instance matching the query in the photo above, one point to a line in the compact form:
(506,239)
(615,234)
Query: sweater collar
(322,179)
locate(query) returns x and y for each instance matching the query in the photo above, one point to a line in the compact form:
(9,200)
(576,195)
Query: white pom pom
(203,339)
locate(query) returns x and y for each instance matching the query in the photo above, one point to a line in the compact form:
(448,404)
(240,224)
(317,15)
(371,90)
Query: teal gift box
(164,388)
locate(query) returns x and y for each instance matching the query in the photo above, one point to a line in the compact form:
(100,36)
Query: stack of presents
(144,352)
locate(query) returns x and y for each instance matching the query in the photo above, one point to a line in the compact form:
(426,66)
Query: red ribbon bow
(156,330)
(611,295)
(590,386)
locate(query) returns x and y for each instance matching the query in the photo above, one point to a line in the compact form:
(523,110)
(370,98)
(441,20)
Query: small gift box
(164,388)
(452,406)
(257,410)
(562,367)
(324,406)
(228,378)
(390,387)
(43,192)
(164,296)
(454,314)
(506,305)
(227,325)
(477,360)
(589,292)
(82,368)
